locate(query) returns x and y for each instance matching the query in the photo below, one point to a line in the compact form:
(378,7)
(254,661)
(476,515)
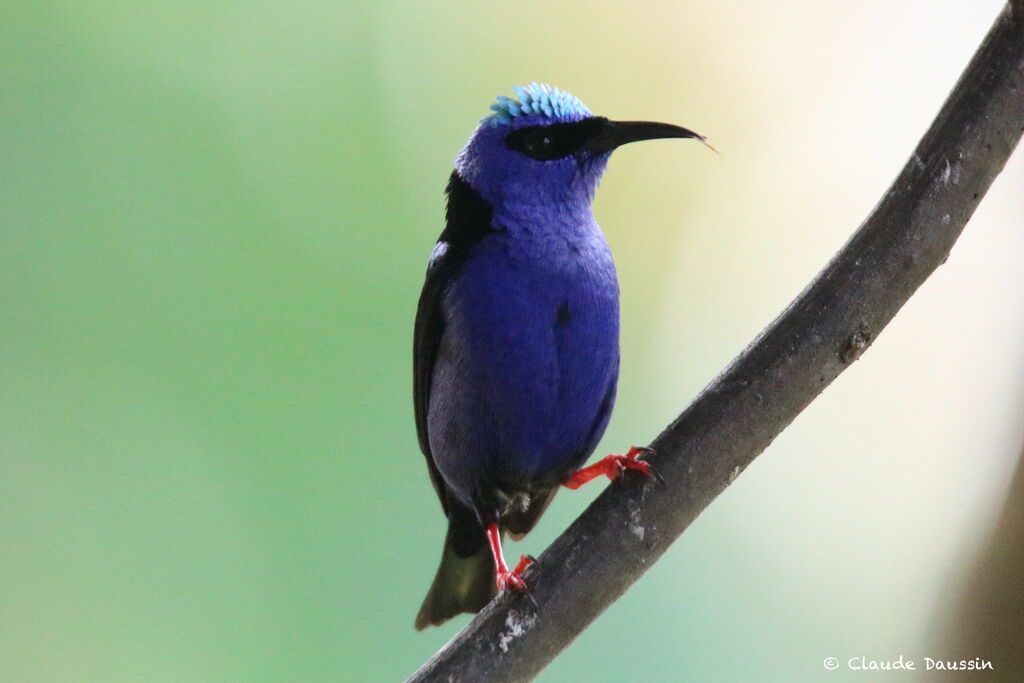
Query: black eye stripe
(556,140)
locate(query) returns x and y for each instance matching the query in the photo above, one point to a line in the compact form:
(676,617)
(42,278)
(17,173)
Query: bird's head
(547,146)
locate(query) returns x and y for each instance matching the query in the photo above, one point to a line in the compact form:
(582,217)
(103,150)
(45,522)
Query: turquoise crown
(538,99)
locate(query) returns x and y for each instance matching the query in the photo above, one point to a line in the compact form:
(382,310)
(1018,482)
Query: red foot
(503,576)
(513,579)
(611,466)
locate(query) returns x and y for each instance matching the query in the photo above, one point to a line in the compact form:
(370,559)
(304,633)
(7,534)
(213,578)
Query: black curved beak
(617,133)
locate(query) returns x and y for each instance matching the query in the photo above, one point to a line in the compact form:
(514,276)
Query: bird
(516,337)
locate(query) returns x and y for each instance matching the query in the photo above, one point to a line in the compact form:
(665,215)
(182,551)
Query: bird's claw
(507,579)
(620,463)
(647,450)
(612,466)
(657,475)
(513,579)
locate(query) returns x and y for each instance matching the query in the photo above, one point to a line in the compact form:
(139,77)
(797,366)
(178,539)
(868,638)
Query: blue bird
(516,349)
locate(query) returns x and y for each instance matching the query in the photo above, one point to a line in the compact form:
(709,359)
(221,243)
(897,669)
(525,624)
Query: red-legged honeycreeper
(516,350)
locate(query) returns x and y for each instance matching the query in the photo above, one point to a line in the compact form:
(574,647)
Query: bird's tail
(464,582)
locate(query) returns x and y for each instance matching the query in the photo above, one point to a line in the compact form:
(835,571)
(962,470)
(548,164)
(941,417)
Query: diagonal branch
(907,236)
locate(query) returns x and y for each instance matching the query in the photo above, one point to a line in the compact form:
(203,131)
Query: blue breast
(525,376)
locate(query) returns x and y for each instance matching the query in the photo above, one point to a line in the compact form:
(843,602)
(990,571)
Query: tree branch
(627,528)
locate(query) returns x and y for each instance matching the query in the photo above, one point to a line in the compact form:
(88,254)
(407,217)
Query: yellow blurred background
(214,222)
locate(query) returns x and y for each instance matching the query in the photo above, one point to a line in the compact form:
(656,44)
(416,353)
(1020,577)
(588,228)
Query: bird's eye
(556,140)
(537,143)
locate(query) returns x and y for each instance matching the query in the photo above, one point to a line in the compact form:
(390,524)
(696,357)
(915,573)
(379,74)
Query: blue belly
(525,379)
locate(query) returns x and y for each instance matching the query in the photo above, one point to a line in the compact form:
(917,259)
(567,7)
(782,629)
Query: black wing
(468,220)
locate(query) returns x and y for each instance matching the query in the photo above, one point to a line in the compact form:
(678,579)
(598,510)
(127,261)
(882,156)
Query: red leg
(503,576)
(610,466)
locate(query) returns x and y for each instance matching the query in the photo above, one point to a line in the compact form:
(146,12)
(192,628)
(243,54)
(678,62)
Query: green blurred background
(214,222)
